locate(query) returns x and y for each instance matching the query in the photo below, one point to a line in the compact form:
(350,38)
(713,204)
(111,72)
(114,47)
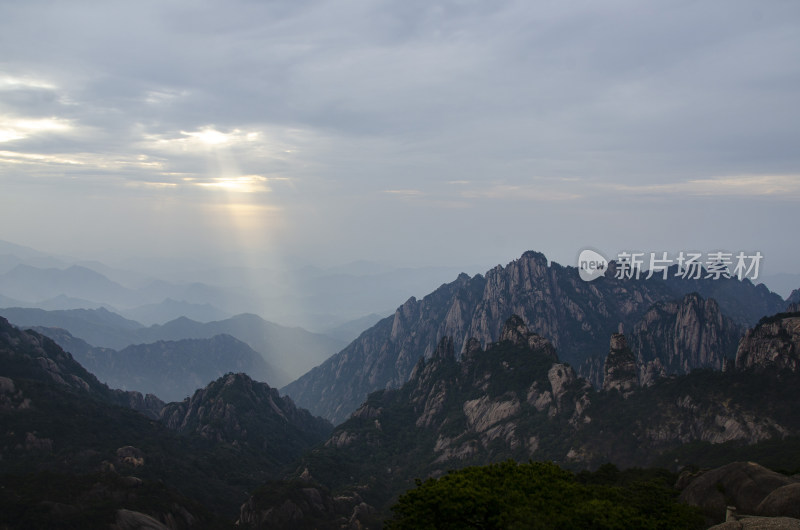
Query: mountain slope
(516,400)
(28,355)
(575,316)
(68,445)
(234,409)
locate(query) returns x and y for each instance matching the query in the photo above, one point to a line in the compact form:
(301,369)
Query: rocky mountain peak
(534,257)
(620,366)
(237,410)
(516,331)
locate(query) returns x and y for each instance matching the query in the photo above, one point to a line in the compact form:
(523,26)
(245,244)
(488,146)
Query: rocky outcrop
(651,372)
(148,404)
(130,520)
(750,488)
(774,344)
(516,331)
(236,410)
(782,502)
(619,371)
(303,503)
(759,523)
(104,499)
(574,316)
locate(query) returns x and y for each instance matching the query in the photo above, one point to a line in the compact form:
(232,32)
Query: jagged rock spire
(518,333)
(620,366)
(515,330)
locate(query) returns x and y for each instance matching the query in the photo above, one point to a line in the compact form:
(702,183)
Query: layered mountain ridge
(73,453)
(577,317)
(171,370)
(289,352)
(516,399)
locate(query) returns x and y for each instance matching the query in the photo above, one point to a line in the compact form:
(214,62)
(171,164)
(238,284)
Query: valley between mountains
(633,392)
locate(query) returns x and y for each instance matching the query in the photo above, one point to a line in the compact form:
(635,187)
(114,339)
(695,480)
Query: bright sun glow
(244,184)
(211,136)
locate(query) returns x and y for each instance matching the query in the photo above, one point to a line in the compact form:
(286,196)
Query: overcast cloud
(417,132)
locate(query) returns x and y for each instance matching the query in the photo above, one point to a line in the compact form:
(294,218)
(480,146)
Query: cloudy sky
(414,132)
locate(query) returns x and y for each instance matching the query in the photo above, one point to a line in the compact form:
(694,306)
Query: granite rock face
(514,400)
(774,344)
(674,338)
(574,316)
(684,335)
(620,372)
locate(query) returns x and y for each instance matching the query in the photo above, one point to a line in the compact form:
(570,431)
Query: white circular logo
(591,265)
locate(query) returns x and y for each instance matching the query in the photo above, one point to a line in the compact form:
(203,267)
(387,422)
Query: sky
(416,133)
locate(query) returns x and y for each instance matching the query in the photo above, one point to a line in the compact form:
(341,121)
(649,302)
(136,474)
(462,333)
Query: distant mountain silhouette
(289,351)
(33,284)
(172,370)
(170,309)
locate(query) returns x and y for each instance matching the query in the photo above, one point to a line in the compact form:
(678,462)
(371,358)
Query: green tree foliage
(537,495)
